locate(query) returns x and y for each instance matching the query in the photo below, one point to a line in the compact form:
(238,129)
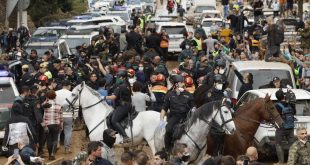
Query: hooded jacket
(18,126)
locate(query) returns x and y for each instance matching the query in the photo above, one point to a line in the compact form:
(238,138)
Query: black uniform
(179,106)
(123,107)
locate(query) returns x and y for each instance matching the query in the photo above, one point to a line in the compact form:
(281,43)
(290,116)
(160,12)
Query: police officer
(219,68)
(214,94)
(160,90)
(122,96)
(179,102)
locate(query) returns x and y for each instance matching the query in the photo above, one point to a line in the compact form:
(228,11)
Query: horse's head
(73,101)
(223,117)
(270,113)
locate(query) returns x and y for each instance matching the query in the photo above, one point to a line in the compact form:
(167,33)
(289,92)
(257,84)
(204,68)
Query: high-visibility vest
(159,89)
(148,18)
(199,44)
(215,53)
(190,89)
(48,74)
(255,43)
(141,23)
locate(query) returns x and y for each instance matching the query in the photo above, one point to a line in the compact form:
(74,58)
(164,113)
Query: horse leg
(152,145)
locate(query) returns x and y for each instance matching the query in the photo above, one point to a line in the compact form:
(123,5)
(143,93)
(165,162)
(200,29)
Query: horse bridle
(71,106)
(273,118)
(212,125)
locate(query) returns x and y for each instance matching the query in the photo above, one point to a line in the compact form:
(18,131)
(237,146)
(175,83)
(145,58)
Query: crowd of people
(129,72)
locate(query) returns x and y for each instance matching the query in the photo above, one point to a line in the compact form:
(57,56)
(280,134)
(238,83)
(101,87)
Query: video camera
(290,96)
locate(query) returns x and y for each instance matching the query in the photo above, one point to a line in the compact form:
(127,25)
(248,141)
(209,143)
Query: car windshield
(48,33)
(174,29)
(302,107)
(263,77)
(209,23)
(290,22)
(42,49)
(200,9)
(124,16)
(74,42)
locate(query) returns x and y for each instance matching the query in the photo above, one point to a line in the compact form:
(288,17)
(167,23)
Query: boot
(121,130)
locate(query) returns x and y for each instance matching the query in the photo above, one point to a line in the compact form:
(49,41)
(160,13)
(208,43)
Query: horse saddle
(125,122)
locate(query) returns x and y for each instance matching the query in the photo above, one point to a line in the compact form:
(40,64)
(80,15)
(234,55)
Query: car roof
(93,18)
(212,19)
(55,27)
(171,23)
(300,94)
(256,65)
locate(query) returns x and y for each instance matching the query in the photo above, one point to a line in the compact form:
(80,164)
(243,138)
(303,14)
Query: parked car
(76,38)
(8,92)
(263,73)
(59,46)
(265,135)
(196,11)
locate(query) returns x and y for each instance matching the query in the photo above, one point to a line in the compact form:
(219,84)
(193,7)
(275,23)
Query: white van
(76,38)
(59,46)
(175,31)
(263,73)
(265,135)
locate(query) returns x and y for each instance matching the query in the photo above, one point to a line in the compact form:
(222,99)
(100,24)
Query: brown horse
(247,120)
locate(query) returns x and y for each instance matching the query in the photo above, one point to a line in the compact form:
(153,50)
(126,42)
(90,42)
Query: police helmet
(131,72)
(121,73)
(220,63)
(177,79)
(218,79)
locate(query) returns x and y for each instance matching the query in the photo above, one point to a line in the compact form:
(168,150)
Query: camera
(290,97)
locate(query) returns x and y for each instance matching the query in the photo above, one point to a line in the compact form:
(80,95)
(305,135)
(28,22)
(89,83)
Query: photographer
(285,133)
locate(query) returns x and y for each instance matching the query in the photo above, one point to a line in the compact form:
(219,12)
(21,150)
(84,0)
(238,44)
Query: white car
(76,38)
(207,23)
(59,46)
(265,135)
(263,73)
(175,31)
(8,93)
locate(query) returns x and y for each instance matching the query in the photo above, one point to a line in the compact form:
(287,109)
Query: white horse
(95,110)
(197,128)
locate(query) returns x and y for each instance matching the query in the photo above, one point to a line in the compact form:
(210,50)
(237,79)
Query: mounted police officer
(122,96)
(214,94)
(179,102)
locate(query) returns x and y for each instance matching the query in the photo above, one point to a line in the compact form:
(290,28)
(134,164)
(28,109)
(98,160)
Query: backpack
(287,116)
(279,35)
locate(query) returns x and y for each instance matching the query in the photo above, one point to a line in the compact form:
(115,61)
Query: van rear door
(175,36)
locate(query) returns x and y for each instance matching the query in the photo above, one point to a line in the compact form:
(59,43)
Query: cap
(25,66)
(43,65)
(110,132)
(66,83)
(276,79)
(57,61)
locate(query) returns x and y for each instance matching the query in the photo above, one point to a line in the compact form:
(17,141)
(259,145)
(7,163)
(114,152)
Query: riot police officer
(122,97)
(179,102)
(217,91)
(219,68)
(214,94)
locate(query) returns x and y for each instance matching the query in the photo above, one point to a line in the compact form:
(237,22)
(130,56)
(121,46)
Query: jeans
(52,138)
(68,122)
